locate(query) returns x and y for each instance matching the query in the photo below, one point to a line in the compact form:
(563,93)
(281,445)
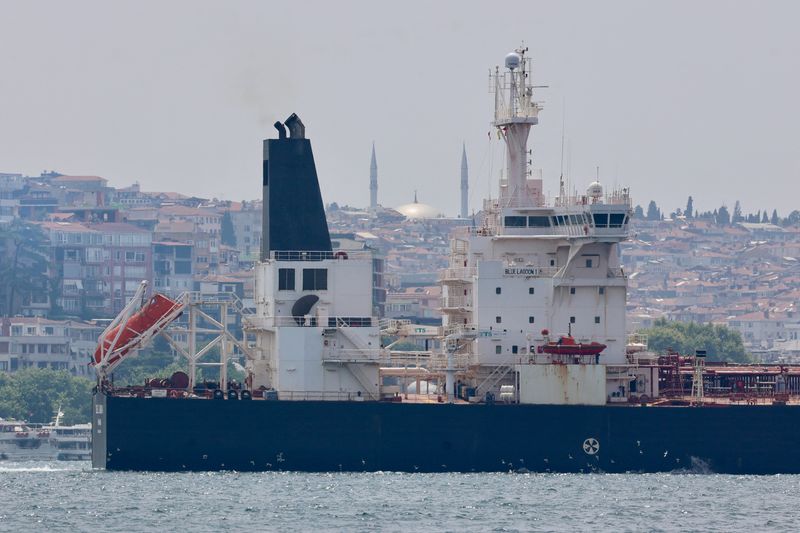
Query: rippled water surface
(70,497)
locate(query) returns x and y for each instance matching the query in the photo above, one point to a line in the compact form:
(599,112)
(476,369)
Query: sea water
(57,496)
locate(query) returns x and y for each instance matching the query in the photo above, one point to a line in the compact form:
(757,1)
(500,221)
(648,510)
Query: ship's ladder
(493,379)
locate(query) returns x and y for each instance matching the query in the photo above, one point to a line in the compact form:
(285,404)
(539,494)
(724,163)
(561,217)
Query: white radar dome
(513,60)
(595,190)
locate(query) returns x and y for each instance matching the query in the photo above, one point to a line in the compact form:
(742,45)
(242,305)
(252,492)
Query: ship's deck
(738,399)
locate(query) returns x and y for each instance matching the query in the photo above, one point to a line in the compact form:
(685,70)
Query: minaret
(373,181)
(464,183)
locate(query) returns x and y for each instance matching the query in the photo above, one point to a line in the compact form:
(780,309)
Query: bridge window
(515,222)
(597,320)
(538,222)
(531,290)
(601,290)
(498,349)
(514,349)
(498,290)
(572,320)
(285,279)
(315,279)
(616,220)
(572,290)
(601,220)
(498,319)
(531,320)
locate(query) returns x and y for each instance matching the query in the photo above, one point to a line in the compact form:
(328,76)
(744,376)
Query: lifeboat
(156,313)
(566,345)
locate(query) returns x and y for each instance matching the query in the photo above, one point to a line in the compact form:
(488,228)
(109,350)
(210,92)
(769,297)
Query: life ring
(340,255)
(740,385)
(173,394)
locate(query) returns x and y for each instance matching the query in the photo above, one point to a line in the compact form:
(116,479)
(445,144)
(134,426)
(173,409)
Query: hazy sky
(669,98)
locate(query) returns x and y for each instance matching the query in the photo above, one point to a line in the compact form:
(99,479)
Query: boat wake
(40,467)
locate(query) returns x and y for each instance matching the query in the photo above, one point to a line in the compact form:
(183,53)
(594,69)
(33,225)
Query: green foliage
(35,395)
(23,266)
(721,343)
(653,212)
(723,216)
(227,233)
(156,364)
(147,364)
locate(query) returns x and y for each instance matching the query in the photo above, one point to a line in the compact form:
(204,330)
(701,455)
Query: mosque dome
(417,210)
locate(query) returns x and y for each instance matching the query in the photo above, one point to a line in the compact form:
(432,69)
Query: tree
(23,266)
(147,364)
(227,233)
(775,220)
(653,213)
(720,342)
(737,213)
(723,217)
(793,218)
(764,218)
(638,212)
(689,207)
(35,394)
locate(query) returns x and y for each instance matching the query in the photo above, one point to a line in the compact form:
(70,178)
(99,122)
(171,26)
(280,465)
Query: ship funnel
(281,130)
(293,216)
(297,129)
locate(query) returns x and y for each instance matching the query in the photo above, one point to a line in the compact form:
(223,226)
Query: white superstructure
(531,265)
(315,331)
(528,272)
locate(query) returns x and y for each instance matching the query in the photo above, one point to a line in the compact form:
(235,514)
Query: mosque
(417,210)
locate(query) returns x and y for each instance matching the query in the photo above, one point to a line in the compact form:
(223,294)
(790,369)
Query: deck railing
(322,255)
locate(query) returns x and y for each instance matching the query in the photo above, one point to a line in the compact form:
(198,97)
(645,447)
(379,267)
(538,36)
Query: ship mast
(514,114)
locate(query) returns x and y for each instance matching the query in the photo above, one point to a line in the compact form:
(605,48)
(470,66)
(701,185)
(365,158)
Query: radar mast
(515,112)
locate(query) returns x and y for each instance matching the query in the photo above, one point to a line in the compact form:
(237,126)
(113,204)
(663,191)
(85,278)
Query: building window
(531,320)
(498,349)
(498,319)
(597,320)
(572,290)
(285,279)
(514,349)
(572,320)
(315,279)
(601,290)
(498,290)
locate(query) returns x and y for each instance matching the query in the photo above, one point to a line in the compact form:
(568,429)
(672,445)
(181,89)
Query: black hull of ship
(183,434)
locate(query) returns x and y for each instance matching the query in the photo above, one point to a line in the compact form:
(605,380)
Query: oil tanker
(325,391)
